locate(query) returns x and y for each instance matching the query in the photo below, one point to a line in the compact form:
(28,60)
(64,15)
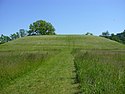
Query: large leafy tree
(41,27)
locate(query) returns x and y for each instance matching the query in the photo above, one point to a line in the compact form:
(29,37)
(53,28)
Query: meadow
(62,64)
(100,71)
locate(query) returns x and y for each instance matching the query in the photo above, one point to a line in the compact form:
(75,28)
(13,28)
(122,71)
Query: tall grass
(100,71)
(16,64)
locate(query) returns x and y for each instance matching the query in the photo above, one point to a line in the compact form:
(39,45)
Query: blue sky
(67,16)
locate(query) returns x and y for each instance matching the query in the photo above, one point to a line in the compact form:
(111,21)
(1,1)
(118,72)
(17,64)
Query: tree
(13,36)
(115,37)
(4,39)
(41,27)
(22,32)
(50,29)
(1,39)
(105,34)
(17,34)
(88,33)
(119,37)
(29,33)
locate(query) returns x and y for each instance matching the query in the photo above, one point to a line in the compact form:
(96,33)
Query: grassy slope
(39,43)
(54,75)
(100,71)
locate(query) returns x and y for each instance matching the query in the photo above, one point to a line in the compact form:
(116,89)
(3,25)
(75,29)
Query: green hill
(48,64)
(60,41)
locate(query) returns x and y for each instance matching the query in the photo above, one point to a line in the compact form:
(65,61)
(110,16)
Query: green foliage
(13,36)
(17,35)
(115,38)
(119,37)
(22,33)
(41,27)
(105,34)
(4,39)
(88,33)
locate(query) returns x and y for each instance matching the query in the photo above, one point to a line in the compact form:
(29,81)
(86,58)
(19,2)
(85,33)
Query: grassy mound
(99,64)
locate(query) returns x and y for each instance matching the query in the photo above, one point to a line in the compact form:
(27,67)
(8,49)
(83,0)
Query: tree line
(39,27)
(13,36)
(119,37)
(42,27)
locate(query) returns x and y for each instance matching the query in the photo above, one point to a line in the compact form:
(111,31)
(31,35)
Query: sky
(67,16)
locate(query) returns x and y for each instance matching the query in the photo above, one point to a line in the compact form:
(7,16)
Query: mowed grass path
(52,77)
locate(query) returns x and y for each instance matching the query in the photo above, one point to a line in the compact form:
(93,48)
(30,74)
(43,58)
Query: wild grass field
(100,71)
(62,64)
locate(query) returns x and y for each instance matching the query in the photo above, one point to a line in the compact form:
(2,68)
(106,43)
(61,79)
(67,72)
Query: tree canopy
(88,33)
(41,27)
(119,37)
(4,39)
(105,34)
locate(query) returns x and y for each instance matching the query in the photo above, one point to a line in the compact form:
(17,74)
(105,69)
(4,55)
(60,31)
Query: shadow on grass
(75,82)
